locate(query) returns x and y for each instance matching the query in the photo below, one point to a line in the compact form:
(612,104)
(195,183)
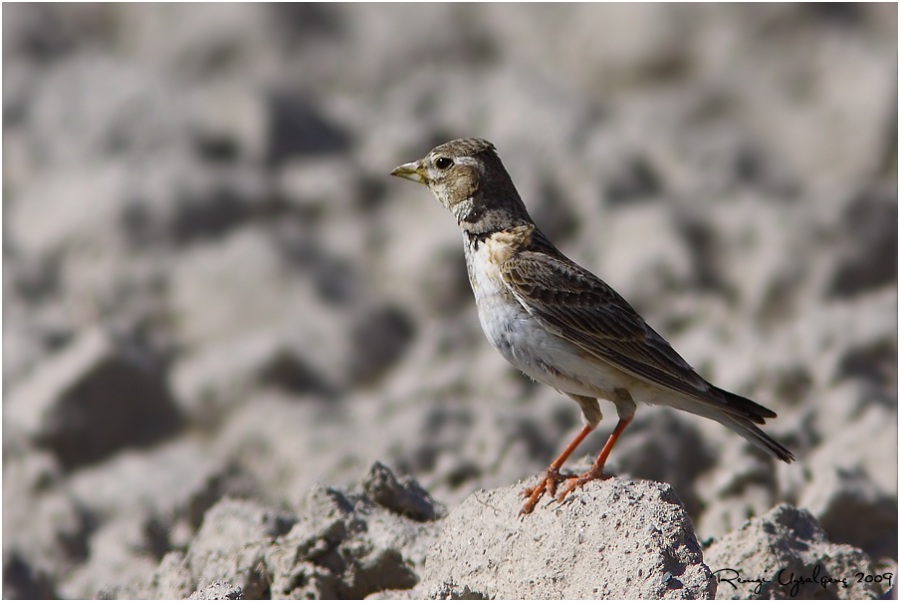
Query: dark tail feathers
(745,407)
(743,416)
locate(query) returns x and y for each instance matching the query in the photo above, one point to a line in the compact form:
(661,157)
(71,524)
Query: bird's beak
(411,171)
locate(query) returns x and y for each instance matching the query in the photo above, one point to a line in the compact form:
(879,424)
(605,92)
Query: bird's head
(468,178)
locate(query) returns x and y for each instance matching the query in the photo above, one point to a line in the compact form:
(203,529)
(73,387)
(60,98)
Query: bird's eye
(443,162)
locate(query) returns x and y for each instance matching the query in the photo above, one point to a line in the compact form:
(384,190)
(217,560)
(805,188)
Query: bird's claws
(595,473)
(549,483)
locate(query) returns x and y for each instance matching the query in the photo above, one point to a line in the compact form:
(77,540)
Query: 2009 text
(865,578)
(793,581)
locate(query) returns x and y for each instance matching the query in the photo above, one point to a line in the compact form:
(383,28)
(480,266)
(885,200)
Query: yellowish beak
(411,171)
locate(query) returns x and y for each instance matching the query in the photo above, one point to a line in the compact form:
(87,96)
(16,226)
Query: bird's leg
(551,478)
(596,471)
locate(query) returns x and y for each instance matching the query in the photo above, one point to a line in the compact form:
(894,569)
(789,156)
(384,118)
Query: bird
(559,323)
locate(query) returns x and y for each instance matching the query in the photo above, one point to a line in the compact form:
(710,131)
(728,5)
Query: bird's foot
(595,473)
(549,482)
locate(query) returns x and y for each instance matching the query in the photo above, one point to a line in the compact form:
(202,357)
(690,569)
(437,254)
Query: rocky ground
(240,360)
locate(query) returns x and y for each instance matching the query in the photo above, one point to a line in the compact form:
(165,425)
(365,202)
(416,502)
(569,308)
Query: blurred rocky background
(215,297)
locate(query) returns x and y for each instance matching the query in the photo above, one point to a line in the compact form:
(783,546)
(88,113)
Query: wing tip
(753,411)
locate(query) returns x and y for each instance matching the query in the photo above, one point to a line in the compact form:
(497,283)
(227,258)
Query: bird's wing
(574,304)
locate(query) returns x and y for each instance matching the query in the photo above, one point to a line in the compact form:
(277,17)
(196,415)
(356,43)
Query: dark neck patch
(476,238)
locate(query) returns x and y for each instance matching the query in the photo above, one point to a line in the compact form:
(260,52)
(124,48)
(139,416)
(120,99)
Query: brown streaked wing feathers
(580,307)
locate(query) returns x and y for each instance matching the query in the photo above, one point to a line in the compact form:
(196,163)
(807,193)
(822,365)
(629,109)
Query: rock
(45,538)
(45,529)
(175,482)
(611,539)
(345,548)
(403,497)
(297,127)
(786,554)
(170,581)
(121,554)
(232,546)
(867,259)
(89,119)
(320,185)
(872,362)
(23,581)
(212,381)
(64,193)
(339,546)
(262,435)
(660,264)
(136,508)
(218,590)
(380,336)
(742,485)
(180,202)
(395,594)
(28,339)
(92,399)
(862,441)
(289,277)
(836,493)
(229,123)
(140,506)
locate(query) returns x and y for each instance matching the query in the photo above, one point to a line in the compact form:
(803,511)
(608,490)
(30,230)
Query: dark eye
(443,162)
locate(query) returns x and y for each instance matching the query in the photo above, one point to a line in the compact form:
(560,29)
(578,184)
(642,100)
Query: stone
(93,398)
(611,539)
(786,554)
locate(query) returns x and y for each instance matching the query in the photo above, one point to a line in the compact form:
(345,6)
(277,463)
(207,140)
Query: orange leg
(596,471)
(551,477)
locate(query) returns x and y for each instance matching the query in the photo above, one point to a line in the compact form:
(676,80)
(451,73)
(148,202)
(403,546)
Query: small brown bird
(559,323)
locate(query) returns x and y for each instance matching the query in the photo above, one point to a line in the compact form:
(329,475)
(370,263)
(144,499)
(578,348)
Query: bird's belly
(543,356)
(527,345)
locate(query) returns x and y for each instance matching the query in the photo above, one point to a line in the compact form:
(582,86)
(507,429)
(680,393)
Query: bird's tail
(744,407)
(742,415)
(755,435)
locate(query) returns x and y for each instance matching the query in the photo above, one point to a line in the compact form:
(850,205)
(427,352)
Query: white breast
(526,344)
